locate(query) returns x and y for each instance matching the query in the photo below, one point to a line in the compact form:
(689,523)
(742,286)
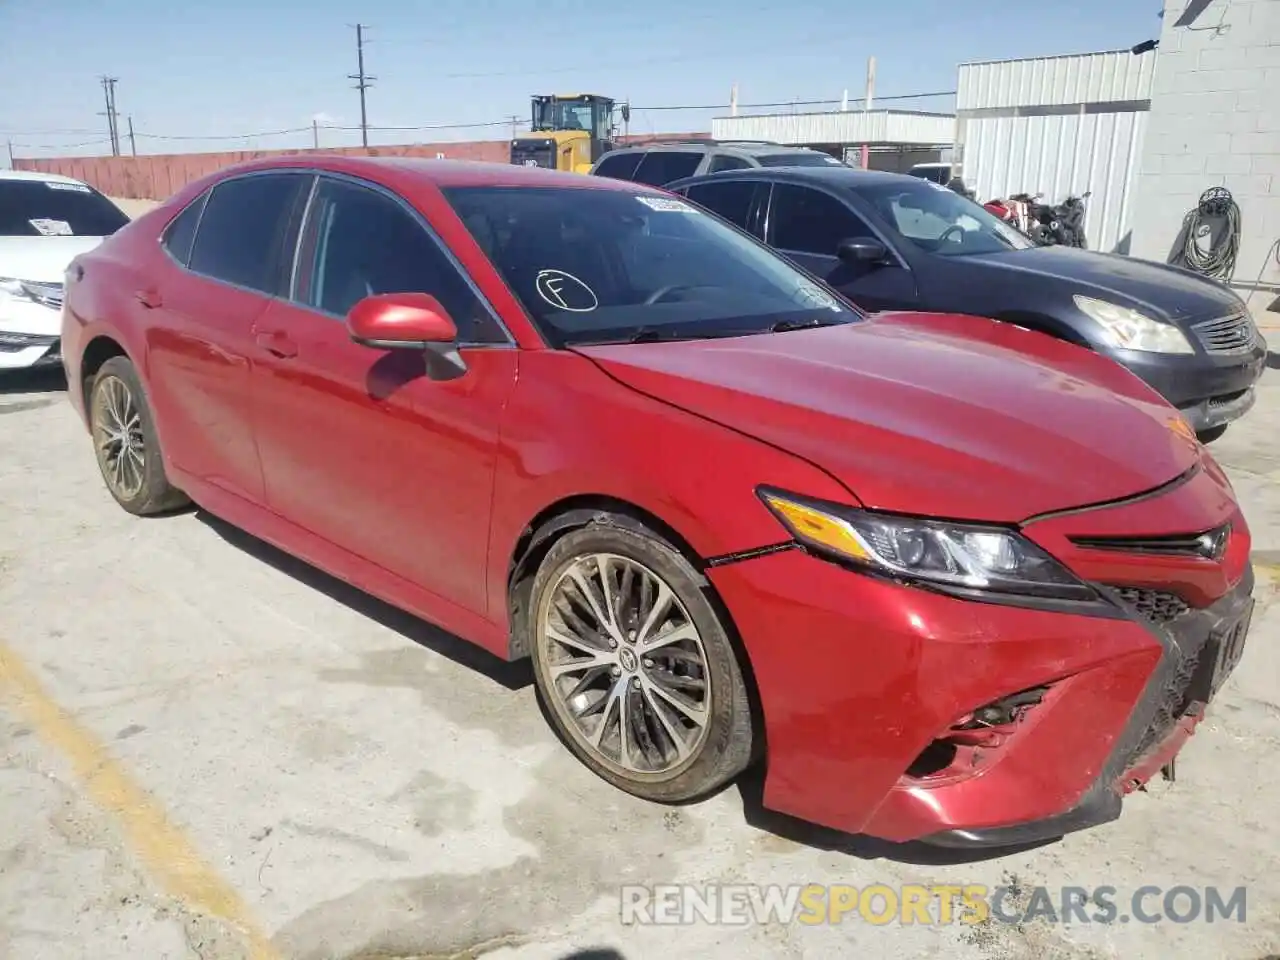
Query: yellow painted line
(1272,570)
(160,845)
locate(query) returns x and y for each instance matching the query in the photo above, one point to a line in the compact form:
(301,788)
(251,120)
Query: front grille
(1154,606)
(1231,334)
(1206,544)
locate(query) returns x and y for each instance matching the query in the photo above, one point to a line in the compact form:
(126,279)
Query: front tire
(126,444)
(1212,434)
(635,666)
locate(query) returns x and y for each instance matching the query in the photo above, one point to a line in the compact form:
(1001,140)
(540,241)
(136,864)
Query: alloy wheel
(118,437)
(626,665)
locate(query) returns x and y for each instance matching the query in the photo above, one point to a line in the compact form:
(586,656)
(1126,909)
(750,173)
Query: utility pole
(515,125)
(866,107)
(109,95)
(363,82)
(133,144)
(315,134)
(11,166)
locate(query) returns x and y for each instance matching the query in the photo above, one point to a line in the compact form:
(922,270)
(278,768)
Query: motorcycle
(1066,227)
(1046,224)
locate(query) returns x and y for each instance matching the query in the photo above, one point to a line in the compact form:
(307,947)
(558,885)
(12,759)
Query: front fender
(572,433)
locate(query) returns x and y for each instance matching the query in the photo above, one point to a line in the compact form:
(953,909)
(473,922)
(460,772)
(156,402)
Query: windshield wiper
(783,325)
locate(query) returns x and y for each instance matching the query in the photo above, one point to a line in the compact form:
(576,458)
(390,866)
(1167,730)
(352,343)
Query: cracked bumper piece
(901,713)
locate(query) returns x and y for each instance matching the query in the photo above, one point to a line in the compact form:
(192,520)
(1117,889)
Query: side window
(730,199)
(725,161)
(244,236)
(179,235)
(808,221)
(663,166)
(359,242)
(619,166)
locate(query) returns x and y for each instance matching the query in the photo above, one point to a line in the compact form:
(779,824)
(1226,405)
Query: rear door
(223,260)
(358,445)
(807,225)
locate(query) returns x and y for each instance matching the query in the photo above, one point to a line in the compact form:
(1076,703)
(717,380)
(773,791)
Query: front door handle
(277,344)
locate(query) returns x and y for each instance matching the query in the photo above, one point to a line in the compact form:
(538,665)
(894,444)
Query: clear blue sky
(218,70)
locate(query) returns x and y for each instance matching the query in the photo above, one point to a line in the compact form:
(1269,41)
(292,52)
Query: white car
(45,221)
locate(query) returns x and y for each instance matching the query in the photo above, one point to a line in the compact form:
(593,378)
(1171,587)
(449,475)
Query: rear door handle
(277,344)
(149,298)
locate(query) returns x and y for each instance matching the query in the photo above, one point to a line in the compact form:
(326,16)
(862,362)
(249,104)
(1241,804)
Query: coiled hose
(1219,260)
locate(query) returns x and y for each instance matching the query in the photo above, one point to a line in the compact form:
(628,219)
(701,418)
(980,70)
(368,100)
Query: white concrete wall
(1215,121)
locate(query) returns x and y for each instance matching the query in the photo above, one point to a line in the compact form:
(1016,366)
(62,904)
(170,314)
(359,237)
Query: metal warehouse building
(896,139)
(1058,126)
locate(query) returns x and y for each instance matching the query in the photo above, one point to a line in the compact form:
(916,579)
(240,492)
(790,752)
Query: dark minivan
(894,242)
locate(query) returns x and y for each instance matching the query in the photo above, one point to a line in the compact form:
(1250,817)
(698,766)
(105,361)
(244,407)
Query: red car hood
(943,415)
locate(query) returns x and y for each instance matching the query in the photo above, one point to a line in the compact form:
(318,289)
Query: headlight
(1130,330)
(966,557)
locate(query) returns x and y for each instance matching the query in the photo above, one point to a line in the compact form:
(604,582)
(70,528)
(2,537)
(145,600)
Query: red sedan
(947,579)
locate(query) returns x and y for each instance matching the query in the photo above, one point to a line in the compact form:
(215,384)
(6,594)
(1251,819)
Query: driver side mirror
(862,250)
(408,321)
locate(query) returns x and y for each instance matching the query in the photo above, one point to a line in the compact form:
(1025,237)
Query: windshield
(941,221)
(46,208)
(595,265)
(798,159)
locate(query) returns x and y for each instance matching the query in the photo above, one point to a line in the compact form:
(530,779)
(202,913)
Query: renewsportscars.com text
(934,905)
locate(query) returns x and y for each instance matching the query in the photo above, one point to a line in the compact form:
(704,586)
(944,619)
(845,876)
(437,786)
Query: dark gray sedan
(894,242)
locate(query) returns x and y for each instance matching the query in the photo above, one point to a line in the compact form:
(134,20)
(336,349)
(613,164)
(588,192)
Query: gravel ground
(210,750)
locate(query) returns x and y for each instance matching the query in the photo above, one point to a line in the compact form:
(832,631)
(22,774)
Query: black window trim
(304,224)
(287,296)
(203,197)
(766,226)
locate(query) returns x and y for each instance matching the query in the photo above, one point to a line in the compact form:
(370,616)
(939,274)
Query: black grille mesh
(1173,703)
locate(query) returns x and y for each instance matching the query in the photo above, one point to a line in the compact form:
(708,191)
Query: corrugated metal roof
(1066,154)
(1051,81)
(851,127)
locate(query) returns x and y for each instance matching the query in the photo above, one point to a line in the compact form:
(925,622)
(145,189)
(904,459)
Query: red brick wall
(157,176)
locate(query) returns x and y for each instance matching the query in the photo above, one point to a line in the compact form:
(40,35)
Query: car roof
(37,176)
(441,173)
(835,175)
(749,147)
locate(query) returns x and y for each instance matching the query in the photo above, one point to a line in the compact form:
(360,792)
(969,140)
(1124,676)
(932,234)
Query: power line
(363,83)
(365,128)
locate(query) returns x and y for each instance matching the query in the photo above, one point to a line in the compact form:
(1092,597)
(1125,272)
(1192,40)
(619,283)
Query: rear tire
(125,442)
(634,665)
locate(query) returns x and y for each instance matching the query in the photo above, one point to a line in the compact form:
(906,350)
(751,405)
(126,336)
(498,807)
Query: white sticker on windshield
(76,187)
(52,228)
(564,291)
(817,297)
(666,204)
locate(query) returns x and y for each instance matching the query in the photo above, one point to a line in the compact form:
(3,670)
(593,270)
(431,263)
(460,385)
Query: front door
(807,225)
(358,445)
